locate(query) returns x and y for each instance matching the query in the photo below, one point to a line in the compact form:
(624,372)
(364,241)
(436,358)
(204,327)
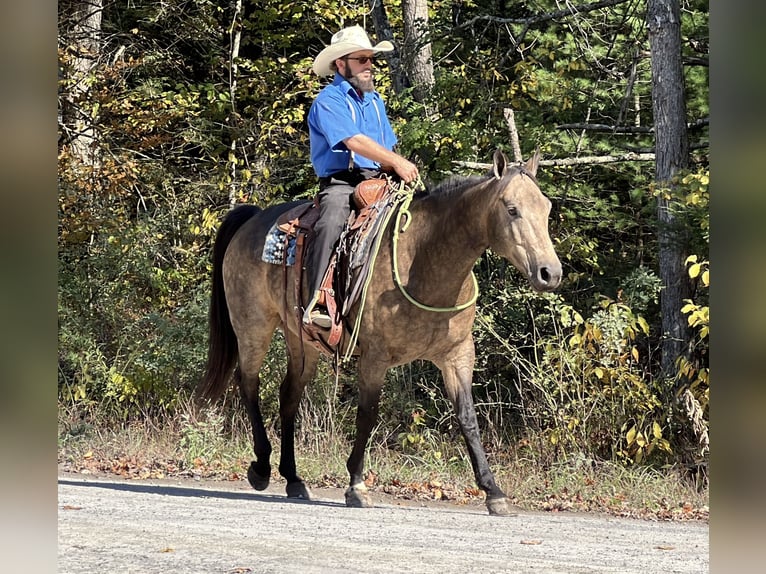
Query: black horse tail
(222,351)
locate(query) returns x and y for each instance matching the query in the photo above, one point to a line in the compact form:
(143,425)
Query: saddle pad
(274,247)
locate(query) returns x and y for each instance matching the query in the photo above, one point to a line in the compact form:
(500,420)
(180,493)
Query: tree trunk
(235,39)
(383,32)
(417,56)
(672,155)
(84,40)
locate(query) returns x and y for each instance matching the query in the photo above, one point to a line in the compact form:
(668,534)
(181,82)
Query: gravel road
(184,527)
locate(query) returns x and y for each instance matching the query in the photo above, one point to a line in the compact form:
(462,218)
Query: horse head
(518,225)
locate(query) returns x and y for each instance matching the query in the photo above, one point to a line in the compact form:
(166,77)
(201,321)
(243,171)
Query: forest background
(172,112)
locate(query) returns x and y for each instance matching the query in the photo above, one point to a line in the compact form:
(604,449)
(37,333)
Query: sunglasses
(363,59)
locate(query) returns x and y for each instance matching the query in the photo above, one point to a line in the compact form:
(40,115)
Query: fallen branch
(585,160)
(569,11)
(702,122)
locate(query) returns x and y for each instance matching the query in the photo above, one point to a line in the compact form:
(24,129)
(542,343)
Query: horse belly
(429,337)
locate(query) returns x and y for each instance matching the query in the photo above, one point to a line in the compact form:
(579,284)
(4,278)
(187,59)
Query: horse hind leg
(301,368)
(259,472)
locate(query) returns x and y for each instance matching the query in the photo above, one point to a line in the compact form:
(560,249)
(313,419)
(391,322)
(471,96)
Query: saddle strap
(298,272)
(330,303)
(314,335)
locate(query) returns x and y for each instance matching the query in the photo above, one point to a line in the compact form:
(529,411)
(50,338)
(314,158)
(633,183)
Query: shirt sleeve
(389,137)
(333,120)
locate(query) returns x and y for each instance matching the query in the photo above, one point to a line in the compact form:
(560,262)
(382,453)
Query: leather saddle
(337,294)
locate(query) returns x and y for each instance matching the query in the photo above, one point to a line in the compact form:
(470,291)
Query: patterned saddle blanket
(278,248)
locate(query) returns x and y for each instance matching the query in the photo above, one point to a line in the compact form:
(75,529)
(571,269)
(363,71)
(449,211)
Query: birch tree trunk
(672,155)
(235,40)
(417,56)
(77,117)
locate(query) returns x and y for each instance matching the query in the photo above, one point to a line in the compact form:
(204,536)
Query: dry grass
(214,445)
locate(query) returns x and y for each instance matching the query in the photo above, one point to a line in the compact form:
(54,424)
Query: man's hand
(407,170)
(367,147)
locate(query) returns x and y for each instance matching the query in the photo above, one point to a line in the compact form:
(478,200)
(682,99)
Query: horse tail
(222,341)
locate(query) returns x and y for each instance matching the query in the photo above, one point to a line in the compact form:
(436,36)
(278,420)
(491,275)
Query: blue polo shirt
(339,112)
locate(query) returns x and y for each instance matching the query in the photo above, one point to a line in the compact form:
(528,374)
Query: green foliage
(419,438)
(133,301)
(203,438)
(598,397)
(693,375)
(641,288)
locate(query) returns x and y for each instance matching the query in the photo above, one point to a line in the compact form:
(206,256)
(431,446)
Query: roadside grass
(216,444)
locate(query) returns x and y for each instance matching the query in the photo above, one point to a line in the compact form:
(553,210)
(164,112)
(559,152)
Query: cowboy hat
(343,43)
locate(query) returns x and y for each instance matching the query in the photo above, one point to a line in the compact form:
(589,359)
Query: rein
(403,211)
(401,199)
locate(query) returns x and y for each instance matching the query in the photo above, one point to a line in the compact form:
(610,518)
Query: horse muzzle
(546,277)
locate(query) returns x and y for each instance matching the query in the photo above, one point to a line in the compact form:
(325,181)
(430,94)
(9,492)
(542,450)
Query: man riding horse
(351,139)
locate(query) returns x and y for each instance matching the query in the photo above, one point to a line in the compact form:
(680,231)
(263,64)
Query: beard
(362,85)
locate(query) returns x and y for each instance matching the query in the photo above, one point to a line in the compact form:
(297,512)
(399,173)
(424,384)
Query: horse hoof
(500,507)
(298,490)
(358,497)
(257,481)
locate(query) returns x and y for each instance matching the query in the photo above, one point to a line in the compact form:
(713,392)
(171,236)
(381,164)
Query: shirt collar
(347,87)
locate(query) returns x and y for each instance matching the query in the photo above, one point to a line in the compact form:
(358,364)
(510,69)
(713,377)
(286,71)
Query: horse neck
(441,246)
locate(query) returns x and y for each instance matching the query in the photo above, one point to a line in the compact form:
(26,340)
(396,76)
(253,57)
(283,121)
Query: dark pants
(335,204)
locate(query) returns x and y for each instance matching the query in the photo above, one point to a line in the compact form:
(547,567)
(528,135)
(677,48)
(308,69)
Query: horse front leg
(458,376)
(370,387)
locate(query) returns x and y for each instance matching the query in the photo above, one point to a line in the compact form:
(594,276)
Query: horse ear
(533,162)
(500,164)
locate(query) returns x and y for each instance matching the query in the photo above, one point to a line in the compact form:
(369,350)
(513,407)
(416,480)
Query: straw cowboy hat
(343,43)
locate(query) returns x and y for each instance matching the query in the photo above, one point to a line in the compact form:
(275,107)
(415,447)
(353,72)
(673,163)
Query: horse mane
(453,185)
(456,184)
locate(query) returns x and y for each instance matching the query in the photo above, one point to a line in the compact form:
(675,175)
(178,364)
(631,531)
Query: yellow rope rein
(402,196)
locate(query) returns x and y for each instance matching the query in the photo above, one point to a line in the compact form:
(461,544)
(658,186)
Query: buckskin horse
(419,305)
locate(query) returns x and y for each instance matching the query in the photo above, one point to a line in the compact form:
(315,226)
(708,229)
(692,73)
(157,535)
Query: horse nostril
(549,277)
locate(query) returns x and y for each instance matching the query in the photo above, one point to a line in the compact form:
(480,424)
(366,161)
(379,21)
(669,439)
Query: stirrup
(312,316)
(320,319)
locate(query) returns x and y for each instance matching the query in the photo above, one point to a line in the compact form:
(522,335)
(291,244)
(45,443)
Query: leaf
(694,270)
(599,372)
(656,430)
(631,436)
(531,542)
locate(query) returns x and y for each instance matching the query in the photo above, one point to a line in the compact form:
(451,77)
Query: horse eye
(513,211)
